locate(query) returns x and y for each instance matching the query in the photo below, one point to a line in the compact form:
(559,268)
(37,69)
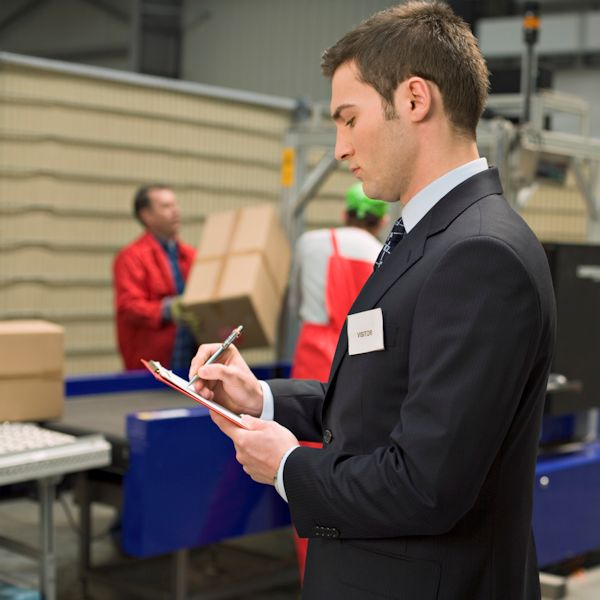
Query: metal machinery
(567,491)
(175,482)
(31,453)
(519,152)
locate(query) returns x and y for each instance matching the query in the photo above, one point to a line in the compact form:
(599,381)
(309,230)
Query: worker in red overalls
(330,267)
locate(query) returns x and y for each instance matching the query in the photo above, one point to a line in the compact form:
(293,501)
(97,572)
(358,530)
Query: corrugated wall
(73,149)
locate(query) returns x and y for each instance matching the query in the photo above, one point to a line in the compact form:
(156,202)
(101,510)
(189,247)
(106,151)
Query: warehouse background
(274,46)
(198,94)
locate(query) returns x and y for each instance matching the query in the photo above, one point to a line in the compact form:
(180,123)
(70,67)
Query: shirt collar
(166,244)
(423,201)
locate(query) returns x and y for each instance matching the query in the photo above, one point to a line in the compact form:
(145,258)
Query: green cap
(359,202)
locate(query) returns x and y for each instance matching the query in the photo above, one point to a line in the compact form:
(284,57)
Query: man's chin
(376,193)
(372,191)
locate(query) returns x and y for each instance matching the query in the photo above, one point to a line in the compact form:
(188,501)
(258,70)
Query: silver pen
(228,341)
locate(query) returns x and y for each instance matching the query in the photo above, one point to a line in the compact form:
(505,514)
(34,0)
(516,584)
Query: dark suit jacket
(423,489)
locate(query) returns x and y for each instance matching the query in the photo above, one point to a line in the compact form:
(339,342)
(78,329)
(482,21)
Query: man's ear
(415,94)
(144,215)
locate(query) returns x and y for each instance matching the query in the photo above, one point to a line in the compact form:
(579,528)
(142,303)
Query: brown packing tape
(38,375)
(217,287)
(260,230)
(217,234)
(219,279)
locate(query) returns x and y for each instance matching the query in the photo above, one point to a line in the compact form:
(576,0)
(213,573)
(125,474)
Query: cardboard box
(31,370)
(240,275)
(31,398)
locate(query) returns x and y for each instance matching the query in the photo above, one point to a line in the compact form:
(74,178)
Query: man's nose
(343,149)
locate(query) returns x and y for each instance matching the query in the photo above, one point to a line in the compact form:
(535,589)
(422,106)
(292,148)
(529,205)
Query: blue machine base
(566,512)
(184,488)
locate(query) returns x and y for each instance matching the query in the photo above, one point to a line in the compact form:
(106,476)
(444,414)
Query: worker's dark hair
(141,200)
(368,221)
(423,39)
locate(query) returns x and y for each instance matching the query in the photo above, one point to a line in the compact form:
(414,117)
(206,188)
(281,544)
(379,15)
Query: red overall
(317,341)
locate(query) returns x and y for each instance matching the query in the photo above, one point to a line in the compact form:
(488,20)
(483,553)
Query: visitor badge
(365,332)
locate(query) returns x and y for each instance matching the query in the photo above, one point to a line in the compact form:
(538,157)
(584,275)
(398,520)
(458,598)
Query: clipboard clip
(156,366)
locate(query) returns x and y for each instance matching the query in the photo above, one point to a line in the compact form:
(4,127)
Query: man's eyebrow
(337,114)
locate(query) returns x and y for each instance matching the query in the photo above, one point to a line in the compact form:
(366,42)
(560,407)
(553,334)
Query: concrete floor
(584,586)
(228,570)
(212,570)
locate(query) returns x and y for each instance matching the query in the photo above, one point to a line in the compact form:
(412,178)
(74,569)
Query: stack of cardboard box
(240,275)
(31,370)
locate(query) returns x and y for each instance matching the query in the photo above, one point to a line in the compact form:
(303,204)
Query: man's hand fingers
(253,423)
(212,371)
(225,425)
(221,422)
(202,355)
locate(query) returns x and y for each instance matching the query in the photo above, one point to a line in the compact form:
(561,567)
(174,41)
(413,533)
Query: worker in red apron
(329,269)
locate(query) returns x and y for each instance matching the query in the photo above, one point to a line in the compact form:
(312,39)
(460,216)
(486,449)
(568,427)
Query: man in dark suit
(431,415)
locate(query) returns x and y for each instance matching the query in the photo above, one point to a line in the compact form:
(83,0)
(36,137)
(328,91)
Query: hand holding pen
(228,341)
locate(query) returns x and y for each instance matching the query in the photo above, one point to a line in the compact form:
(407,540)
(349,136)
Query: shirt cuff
(268,411)
(278,481)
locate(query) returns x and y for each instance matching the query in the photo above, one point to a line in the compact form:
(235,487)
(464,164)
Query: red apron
(317,341)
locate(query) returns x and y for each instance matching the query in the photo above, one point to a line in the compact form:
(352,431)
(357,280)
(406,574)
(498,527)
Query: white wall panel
(560,34)
(585,83)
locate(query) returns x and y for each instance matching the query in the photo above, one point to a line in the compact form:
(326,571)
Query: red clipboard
(178,383)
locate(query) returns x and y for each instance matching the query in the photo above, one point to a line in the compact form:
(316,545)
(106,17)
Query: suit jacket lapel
(406,254)
(412,247)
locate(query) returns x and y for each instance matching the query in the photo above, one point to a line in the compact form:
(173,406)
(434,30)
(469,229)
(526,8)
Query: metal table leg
(180,570)
(85,526)
(47,489)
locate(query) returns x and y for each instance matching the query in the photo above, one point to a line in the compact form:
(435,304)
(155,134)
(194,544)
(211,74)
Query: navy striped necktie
(393,239)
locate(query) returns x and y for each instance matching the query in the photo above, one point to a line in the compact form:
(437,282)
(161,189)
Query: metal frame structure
(46,466)
(514,149)
(127,393)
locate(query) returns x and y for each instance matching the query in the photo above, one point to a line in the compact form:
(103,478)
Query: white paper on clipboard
(182,384)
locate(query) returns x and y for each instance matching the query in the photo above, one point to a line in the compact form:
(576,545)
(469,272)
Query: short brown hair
(141,200)
(424,39)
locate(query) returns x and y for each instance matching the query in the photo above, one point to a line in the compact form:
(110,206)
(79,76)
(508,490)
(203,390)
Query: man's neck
(166,241)
(440,158)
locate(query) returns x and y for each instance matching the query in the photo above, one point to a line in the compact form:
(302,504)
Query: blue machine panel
(566,513)
(184,488)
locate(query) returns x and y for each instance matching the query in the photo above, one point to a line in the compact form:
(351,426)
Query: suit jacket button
(327,436)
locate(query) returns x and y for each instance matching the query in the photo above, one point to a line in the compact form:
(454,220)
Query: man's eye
(350,122)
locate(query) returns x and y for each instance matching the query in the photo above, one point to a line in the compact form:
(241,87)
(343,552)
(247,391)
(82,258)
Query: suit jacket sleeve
(474,336)
(298,406)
